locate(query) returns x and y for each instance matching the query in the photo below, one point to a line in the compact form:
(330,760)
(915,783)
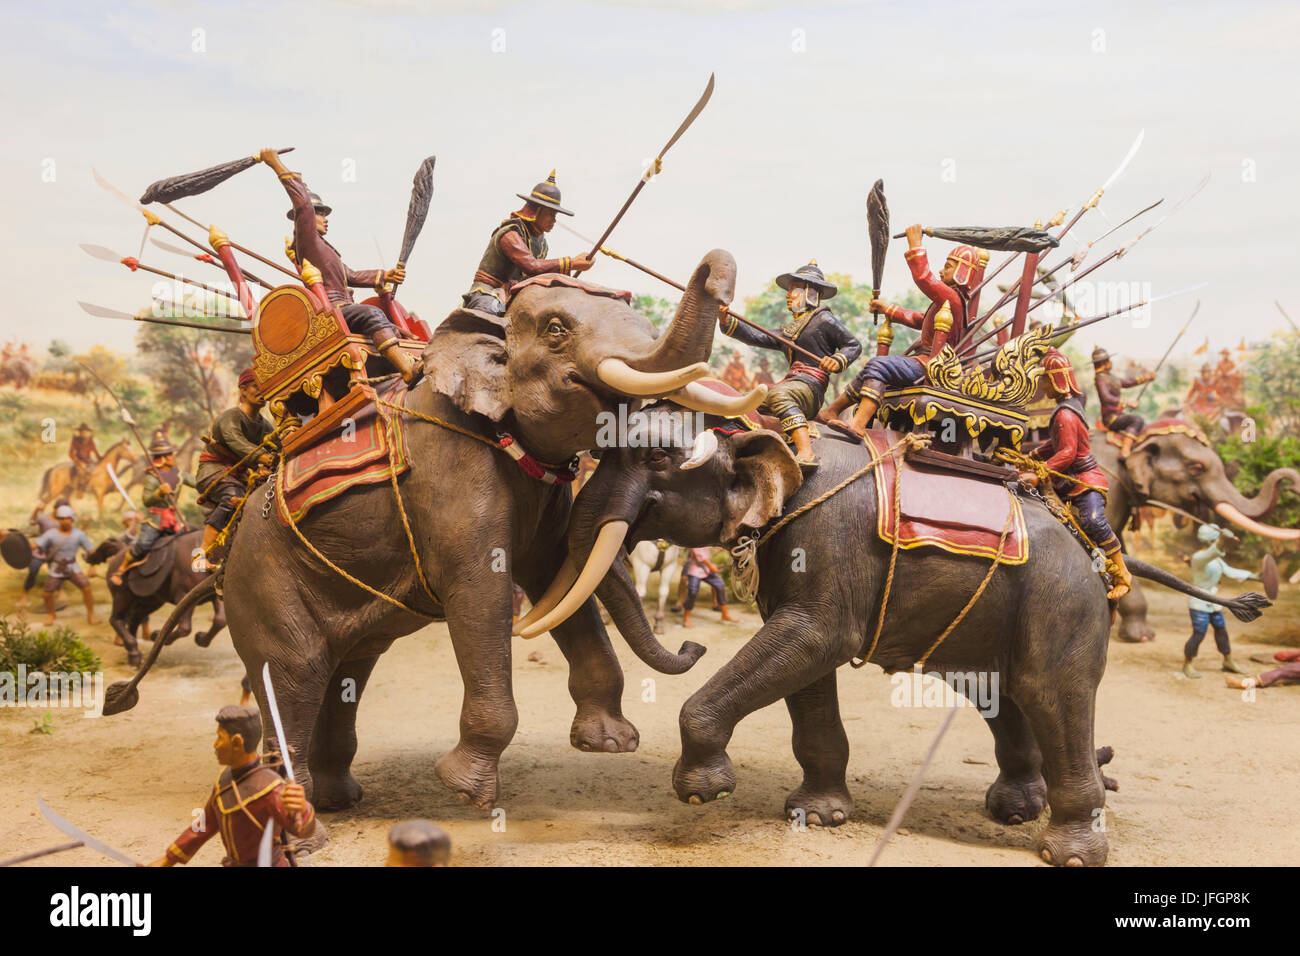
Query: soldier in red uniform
(1111,398)
(1068,452)
(246,798)
(942,323)
(84,455)
(517,249)
(310,217)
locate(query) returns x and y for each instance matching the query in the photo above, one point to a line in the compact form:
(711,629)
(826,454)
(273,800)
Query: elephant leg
(1062,723)
(790,652)
(1019,793)
(595,677)
(334,738)
(1133,625)
(822,749)
(479,621)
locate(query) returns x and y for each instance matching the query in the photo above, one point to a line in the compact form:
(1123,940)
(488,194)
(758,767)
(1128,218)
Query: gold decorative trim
(1016,370)
(933,405)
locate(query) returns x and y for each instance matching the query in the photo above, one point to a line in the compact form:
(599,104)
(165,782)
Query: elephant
(821,584)
(1179,468)
(561,361)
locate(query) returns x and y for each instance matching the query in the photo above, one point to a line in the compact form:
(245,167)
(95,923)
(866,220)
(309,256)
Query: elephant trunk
(689,337)
(1261,504)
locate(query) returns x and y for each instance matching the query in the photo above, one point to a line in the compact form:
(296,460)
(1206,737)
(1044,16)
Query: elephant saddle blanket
(368,449)
(1165,426)
(943,509)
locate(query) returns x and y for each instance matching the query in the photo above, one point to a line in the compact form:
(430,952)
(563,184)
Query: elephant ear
(764,475)
(1140,465)
(466,361)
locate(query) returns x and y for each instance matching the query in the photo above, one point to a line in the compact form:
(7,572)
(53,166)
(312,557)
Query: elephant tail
(1247,607)
(123,695)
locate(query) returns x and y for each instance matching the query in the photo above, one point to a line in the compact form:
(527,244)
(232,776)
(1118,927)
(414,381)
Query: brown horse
(57,482)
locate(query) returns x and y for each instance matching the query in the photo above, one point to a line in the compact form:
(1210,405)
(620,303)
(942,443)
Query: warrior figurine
(1208,568)
(60,545)
(161,486)
(84,455)
(247,797)
(418,843)
(310,223)
(1110,396)
(1077,477)
(223,472)
(517,249)
(798,397)
(943,322)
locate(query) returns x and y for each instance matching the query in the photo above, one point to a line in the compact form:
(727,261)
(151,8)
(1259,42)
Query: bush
(47,650)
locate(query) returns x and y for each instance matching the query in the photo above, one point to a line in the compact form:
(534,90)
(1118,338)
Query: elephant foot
(819,806)
(472,777)
(597,730)
(338,791)
(1135,631)
(313,842)
(703,782)
(1073,844)
(204,638)
(1014,802)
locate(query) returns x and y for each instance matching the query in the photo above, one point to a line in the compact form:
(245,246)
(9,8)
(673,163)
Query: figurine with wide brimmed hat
(809,275)
(517,250)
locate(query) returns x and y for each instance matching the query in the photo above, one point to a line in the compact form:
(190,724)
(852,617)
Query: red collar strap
(534,468)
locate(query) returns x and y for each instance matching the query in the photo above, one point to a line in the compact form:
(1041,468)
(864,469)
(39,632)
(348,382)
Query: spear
(1186,325)
(206,257)
(1285,316)
(656,164)
(681,288)
(62,847)
(1074,327)
(101,312)
(108,255)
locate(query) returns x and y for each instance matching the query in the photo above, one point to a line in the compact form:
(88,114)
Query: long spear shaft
(100,252)
(235,245)
(40,853)
(99,312)
(1186,325)
(1285,316)
(206,256)
(681,288)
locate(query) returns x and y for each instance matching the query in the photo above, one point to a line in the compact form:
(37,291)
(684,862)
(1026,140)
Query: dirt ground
(1204,775)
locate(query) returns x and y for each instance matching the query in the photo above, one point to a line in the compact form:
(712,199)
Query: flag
(1205,347)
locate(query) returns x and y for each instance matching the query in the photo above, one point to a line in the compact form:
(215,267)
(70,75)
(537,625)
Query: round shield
(17,550)
(1268,574)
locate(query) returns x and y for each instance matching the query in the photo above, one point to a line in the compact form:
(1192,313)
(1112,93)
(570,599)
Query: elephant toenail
(724,794)
(695,799)
(814,820)
(1016,818)
(1046,855)
(611,745)
(1074,861)
(838,816)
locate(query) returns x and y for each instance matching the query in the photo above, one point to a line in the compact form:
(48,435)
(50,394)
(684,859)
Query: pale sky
(974,114)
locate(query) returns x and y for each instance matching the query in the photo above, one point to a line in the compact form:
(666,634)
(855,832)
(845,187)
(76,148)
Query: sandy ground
(1205,776)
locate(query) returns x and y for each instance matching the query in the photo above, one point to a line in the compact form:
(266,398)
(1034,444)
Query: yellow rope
(401,509)
(893,560)
(456,428)
(1033,464)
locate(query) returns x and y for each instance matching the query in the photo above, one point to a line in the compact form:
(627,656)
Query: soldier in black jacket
(799,396)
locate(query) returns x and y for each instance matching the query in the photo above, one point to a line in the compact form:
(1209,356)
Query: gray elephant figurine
(545,372)
(1047,642)
(1173,465)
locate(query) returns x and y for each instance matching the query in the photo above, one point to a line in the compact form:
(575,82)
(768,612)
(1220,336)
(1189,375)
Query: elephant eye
(657,456)
(1196,468)
(556,328)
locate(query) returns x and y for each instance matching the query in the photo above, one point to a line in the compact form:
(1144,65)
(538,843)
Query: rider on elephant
(310,223)
(517,250)
(235,434)
(161,485)
(943,322)
(1110,397)
(798,397)
(1208,568)
(84,455)
(1076,476)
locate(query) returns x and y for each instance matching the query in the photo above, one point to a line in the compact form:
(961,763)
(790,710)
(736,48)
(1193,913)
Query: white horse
(646,557)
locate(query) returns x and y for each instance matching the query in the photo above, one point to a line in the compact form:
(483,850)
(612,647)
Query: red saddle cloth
(365,455)
(944,509)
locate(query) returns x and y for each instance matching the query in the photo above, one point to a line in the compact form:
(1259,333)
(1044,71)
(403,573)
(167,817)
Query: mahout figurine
(1110,396)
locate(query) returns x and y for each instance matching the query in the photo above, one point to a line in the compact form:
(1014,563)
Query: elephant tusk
(603,553)
(623,378)
(706,446)
(1250,524)
(698,398)
(568,573)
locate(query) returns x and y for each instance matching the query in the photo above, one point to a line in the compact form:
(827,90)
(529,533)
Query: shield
(1268,575)
(17,550)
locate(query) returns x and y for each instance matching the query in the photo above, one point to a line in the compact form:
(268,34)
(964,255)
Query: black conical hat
(546,194)
(812,275)
(317,203)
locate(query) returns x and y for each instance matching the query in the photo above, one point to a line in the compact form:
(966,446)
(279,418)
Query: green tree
(191,369)
(1273,380)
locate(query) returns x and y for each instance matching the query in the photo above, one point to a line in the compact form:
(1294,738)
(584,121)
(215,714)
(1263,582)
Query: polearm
(655,165)
(153,219)
(61,848)
(1074,327)
(1090,203)
(101,312)
(1285,316)
(132,263)
(1186,325)
(206,257)
(681,288)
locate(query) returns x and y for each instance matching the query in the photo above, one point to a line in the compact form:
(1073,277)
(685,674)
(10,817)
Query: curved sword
(89,841)
(118,485)
(268,835)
